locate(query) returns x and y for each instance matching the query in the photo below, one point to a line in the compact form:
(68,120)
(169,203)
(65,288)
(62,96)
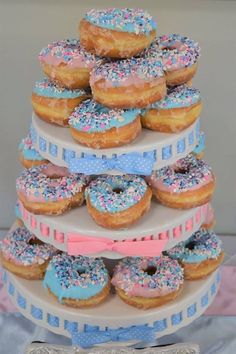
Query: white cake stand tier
(67,232)
(160,149)
(113,316)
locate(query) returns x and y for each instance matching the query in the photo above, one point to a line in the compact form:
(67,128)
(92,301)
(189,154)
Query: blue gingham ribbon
(132,163)
(91,338)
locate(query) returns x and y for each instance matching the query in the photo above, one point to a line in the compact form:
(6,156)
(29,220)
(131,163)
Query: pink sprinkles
(131,272)
(16,247)
(34,183)
(187,173)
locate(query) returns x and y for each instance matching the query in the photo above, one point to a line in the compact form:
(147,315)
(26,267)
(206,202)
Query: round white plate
(35,303)
(159,223)
(56,144)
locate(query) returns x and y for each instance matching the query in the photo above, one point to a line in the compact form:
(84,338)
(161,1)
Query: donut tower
(113,238)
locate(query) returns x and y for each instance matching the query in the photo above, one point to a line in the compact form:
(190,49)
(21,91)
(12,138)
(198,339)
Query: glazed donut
(187,184)
(48,189)
(210,218)
(28,156)
(130,83)
(117,33)
(175,112)
(24,255)
(98,127)
(200,255)
(77,281)
(54,104)
(148,282)
(68,63)
(179,56)
(116,202)
(199,149)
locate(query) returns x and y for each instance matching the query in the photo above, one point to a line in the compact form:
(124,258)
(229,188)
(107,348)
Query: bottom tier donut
(113,320)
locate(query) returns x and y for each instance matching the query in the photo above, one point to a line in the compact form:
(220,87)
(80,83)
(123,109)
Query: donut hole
(118,190)
(150,270)
(35,241)
(168,49)
(181,171)
(81,271)
(191,245)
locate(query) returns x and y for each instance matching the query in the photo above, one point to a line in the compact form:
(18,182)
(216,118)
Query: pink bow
(83,245)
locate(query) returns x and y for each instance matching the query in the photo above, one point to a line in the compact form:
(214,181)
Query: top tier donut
(117,33)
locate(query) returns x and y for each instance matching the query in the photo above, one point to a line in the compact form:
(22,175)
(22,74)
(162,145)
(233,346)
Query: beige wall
(27,26)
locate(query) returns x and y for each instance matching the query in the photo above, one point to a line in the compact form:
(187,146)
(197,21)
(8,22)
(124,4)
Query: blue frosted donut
(29,157)
(175,112)
(54,103)
(111,196)
(199,149)
(202,250)
(77,281)
(117,33)
(99,127)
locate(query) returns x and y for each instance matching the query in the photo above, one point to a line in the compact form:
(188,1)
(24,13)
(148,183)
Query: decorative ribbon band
(84,245)
(132,163)
(91,338)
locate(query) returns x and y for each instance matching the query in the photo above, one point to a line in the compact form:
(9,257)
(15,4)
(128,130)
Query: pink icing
(37,185)
(53,170)
(138,290)
(132,80)
(158,184)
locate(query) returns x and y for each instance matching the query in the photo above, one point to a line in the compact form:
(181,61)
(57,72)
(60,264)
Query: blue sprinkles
(202,245)
(196,172)
(48,88)
(131,271)
(75,277)
(146,69)
(15,246)
(177,97)
(135,21)
(28,151)
(102,192)
(90,116)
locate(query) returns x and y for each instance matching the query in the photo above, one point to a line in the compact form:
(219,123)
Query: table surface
(214,332)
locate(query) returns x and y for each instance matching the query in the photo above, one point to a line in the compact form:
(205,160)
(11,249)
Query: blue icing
(202,245)
(90,116)
(28,151)
(75,277)
(201,144)
(123,20)
(47,88)
(177,97)
(113,194)
(17,211)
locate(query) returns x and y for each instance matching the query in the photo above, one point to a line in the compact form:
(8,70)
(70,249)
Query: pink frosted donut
(186,184)
(68,63)
(147,282)
(48,189)
(130,83)
(24,255)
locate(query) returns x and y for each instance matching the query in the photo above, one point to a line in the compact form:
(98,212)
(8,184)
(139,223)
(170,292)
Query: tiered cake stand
(113,321)
(160,223)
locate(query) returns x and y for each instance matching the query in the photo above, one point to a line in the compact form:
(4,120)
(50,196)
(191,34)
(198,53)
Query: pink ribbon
(83,245)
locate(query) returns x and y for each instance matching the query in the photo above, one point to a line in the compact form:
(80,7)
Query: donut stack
(118,79)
